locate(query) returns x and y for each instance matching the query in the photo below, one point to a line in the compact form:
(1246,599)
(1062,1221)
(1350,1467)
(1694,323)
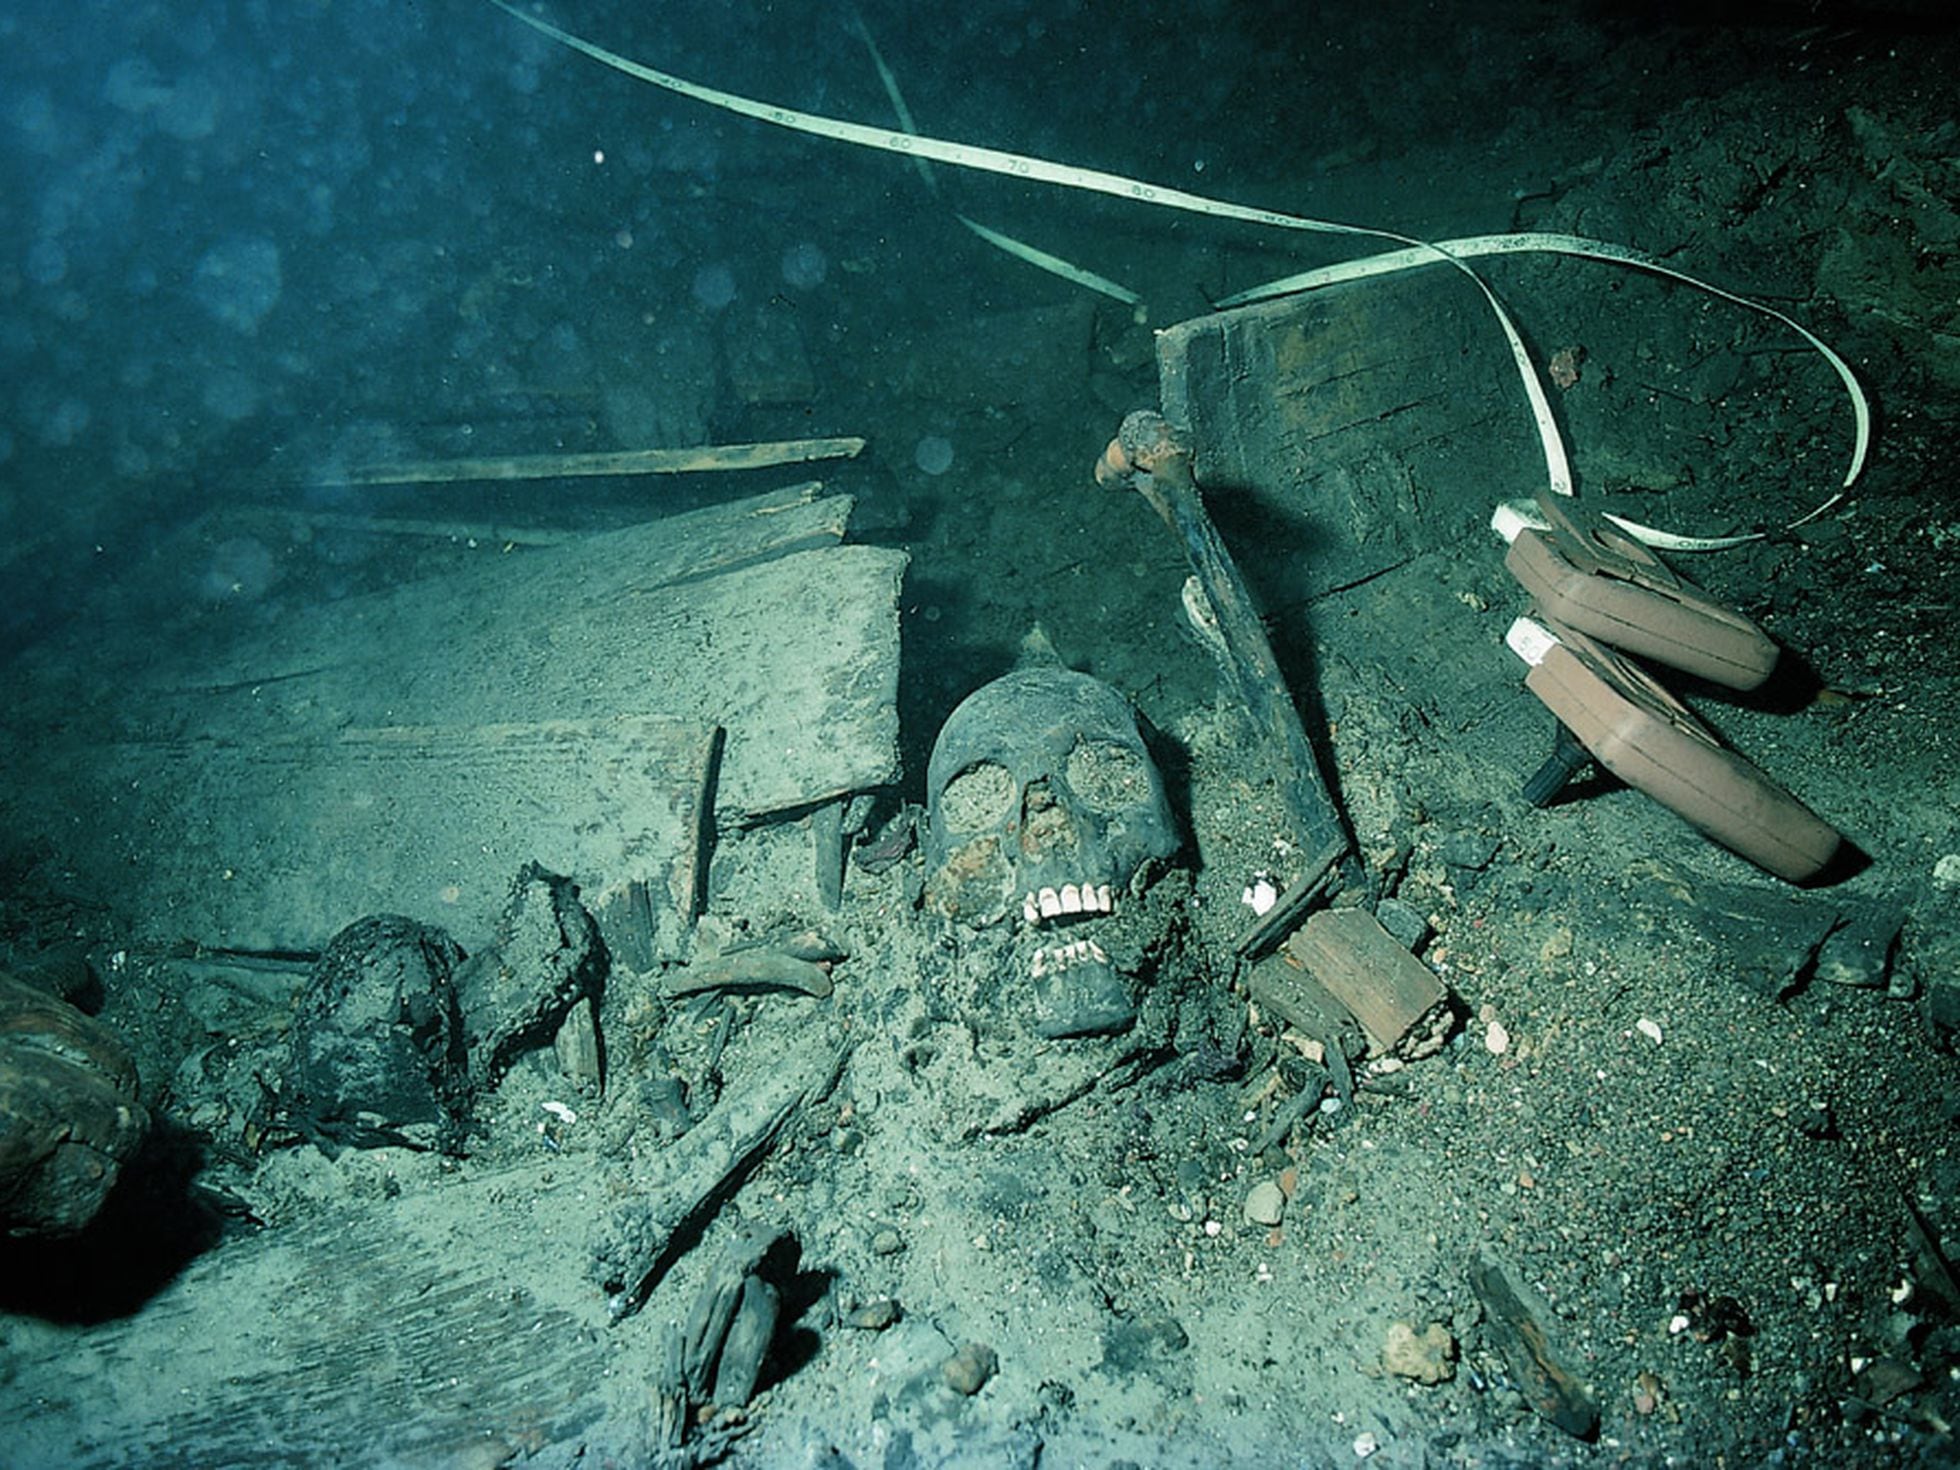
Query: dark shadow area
(801,1289)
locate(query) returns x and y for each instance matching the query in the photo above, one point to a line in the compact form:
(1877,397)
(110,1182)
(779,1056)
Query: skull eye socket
(982,795)
(1107,776)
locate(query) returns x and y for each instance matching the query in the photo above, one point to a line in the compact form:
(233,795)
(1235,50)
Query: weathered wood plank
(451,1326)
(278,842)
(1357,426)
(408,751)
(796,655)
(1388,990)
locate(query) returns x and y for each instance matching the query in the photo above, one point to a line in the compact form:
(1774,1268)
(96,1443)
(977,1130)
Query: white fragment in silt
(1260,895)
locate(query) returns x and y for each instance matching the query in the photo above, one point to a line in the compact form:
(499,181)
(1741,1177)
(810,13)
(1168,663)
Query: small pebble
(1265,1204)
(1426,1357)
(875,1315)
(887,1243)
(968,1370)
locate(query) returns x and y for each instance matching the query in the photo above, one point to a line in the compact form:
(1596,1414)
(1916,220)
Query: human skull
(1042,800)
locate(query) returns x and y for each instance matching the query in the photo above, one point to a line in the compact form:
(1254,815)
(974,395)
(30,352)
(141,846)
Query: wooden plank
(1345,431)
(408,751)
(1521,1325)
(451,1326)
(1387,989)
(715,458)
(276,843)
(1279,987)
(1222,612)
(793,651)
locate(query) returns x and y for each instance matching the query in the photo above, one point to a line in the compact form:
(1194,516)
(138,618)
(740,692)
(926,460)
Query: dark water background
(245,244)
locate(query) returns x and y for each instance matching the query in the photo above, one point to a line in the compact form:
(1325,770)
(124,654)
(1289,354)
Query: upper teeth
(1070,898)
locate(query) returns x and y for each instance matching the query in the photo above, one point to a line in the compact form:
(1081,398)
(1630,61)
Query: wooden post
(1229,622)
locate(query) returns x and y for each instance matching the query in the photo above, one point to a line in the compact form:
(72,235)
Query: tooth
(1040,965)
(1051,903)
(1096,952)
(1029,911)
(1071,899)
(1103,900)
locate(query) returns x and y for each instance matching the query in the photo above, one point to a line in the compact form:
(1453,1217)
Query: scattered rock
(1428,1357)
(1265,1204)
(1648,1392)
(968,1370)
(1859,951)
(887,1242)
(875,1315)
(1468,849)
(1404,922)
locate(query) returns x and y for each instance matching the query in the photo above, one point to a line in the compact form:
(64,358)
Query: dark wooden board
(1358,425)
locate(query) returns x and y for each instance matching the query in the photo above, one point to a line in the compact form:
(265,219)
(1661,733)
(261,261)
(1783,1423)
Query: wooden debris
(1400,1004)
(705,1166)
(577,1047)
(1351,413)
(1280,987)
(714,458)
(561,705)
(690,875)
(1515,1320)
(1306,889)
(1227,620)
(828,845)
(389,1325)
(517,991)
(726,1335)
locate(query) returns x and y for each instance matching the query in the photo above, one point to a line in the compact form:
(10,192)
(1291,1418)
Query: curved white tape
(1472,247)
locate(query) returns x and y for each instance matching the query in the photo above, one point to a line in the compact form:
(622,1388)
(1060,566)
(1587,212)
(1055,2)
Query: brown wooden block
(1360,965)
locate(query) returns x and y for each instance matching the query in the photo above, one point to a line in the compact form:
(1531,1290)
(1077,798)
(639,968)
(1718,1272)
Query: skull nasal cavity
(1049,827)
